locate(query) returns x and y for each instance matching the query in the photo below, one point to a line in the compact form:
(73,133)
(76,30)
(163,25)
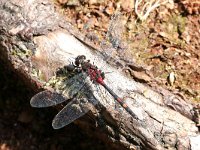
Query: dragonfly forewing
(69,89)
(73,85)
(72,111)
(46,98)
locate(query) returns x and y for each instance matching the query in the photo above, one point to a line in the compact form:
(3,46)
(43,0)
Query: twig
(147,7)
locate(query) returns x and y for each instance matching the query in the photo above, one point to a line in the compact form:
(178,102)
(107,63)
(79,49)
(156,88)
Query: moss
(138,41)
(21,53)
(197,99)
(144,43)
(179,23)
(174,27)
(38,74)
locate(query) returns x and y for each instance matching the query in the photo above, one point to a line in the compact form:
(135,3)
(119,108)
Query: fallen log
(36,41)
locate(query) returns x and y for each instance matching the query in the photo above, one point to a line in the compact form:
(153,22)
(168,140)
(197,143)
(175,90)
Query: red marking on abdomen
(119,100)
(124,105)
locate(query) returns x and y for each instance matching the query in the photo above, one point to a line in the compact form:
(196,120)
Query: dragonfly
(78,106)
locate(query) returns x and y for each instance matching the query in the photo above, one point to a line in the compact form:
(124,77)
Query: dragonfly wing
(70,112)
(73,85)
(46,98)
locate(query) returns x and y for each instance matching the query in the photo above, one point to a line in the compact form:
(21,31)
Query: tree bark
(36,37)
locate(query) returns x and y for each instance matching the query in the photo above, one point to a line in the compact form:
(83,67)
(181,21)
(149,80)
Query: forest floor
(166,43)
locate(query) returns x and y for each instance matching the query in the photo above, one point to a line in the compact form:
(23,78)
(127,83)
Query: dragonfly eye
(79,60)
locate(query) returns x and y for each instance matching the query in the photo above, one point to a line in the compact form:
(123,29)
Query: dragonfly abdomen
(121,101)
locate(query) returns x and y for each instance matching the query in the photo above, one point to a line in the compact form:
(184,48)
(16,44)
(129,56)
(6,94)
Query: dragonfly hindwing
(46,98)
(72,111)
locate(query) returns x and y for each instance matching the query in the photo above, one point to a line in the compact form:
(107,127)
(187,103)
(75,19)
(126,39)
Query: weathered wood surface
(35,36)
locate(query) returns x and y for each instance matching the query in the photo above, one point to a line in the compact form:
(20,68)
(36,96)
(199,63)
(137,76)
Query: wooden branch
(35,38)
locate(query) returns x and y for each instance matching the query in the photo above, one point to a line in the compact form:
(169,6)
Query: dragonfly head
(80,60)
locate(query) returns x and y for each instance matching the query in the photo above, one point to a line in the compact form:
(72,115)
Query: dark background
(23,127)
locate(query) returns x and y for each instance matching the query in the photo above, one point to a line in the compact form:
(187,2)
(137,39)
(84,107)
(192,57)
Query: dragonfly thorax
(96,75)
